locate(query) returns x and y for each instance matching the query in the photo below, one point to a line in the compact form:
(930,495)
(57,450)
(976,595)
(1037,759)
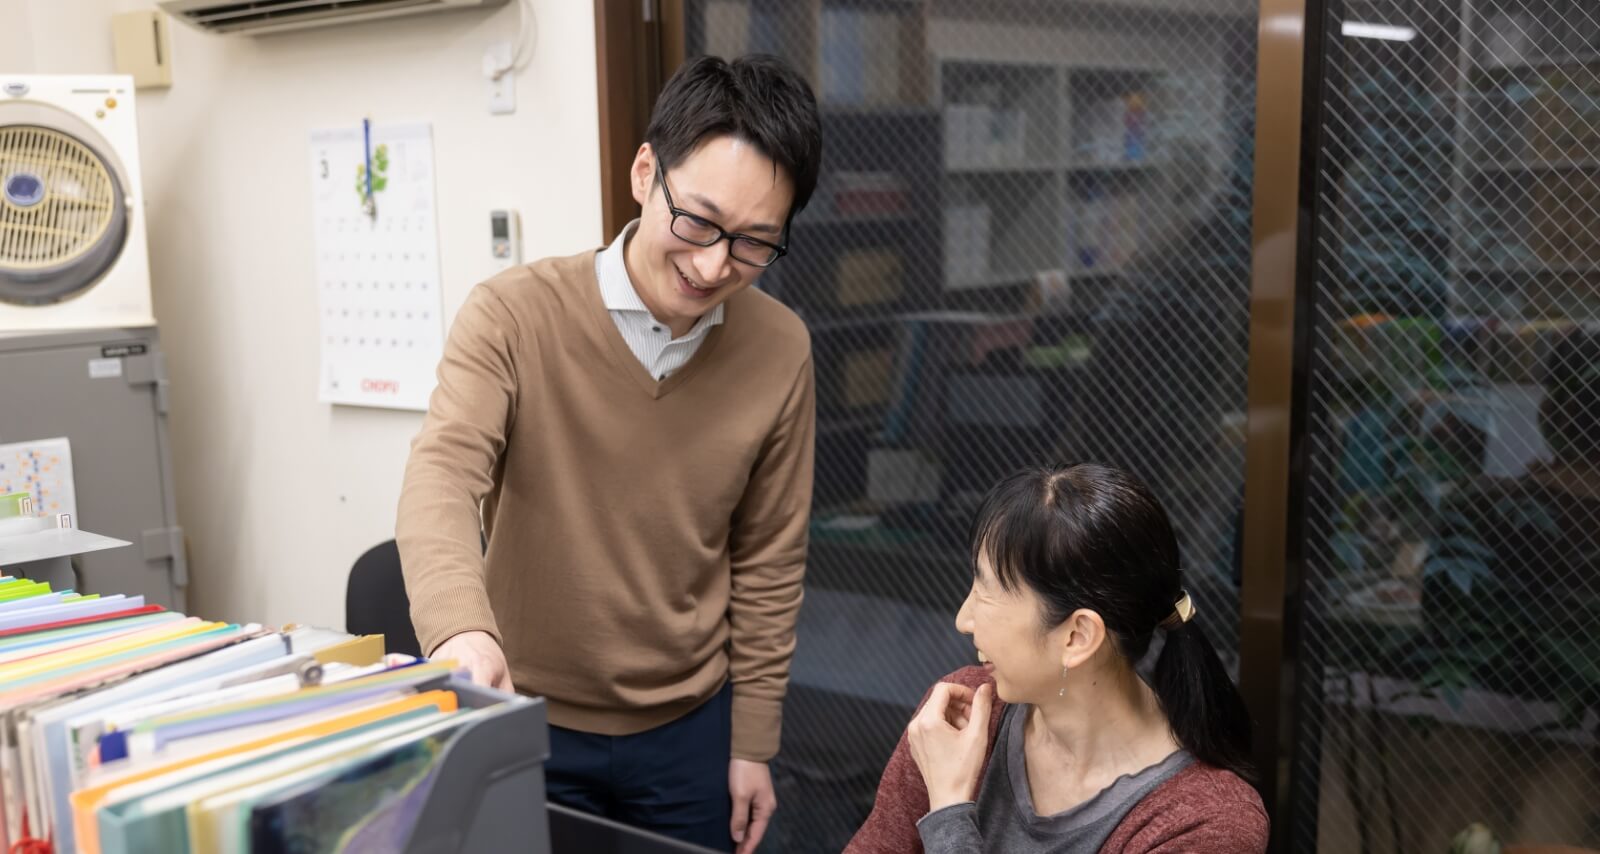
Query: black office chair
(375,601)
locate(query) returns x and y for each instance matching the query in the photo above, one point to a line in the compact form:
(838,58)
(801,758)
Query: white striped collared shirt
(649,339)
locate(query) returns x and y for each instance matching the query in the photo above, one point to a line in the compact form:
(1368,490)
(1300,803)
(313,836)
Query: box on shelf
(859,60)
(881,31)
(1009,136)
(868,277)
(727,28)
(868,194)
(1515,353)
(1564,225)
(868,377)
(896,476)
(961,123)
(983,400)
(966,243)
(1108,228)
(1507,40)
(1051,294)
(1565,117)
(1114,129)
(1576,294)
(978,135)
(1386,351)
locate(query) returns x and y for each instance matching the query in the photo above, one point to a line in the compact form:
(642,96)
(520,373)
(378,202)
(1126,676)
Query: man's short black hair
(756,98)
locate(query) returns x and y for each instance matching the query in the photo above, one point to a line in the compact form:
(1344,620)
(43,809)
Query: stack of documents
(126,727)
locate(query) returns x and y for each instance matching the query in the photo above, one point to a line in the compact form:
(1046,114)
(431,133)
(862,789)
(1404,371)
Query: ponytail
(1204,708)
(1082,535)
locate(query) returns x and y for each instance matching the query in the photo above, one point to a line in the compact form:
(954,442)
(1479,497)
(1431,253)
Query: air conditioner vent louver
(266,16)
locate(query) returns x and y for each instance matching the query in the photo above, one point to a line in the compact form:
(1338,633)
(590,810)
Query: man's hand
(750,784)
(948,740)
(478,653)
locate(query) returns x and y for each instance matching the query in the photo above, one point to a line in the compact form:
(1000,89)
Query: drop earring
(1063,691)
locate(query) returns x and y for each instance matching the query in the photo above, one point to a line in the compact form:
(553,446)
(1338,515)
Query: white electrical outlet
(502,79)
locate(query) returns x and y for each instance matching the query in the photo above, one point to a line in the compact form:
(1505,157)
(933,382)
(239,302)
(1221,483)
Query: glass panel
(1031,243)
(1451,653)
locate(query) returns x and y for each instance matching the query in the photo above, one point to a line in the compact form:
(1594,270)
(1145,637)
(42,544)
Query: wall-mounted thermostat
(505,237)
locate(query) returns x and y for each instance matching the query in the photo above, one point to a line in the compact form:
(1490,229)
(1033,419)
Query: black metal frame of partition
(1302,622)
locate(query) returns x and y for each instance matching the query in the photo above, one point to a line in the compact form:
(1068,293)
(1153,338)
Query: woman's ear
(643,174)
(1080,637)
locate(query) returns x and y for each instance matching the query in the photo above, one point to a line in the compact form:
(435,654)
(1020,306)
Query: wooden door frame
(637,44)
(1272,592)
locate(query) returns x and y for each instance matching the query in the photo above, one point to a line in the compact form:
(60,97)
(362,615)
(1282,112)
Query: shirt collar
(617,290)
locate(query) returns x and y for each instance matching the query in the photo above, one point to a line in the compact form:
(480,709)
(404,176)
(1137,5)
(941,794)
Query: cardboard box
(868,277)
(868,377)
(966,244)
(897,476)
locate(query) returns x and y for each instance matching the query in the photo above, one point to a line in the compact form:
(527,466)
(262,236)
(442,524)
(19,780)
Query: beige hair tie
(1182,612)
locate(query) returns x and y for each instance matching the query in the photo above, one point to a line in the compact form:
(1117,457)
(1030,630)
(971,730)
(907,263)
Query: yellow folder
(359,651)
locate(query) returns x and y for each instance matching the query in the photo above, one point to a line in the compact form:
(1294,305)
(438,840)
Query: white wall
(280,493)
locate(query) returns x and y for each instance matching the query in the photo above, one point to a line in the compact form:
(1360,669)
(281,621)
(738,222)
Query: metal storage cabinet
(106,392)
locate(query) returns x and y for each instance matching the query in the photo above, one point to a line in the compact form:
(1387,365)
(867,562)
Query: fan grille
(77,206)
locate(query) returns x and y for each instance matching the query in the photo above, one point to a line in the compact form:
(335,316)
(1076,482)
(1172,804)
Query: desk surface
(575,832)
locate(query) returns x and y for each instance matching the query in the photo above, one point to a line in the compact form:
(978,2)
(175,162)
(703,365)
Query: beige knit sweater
(647,539)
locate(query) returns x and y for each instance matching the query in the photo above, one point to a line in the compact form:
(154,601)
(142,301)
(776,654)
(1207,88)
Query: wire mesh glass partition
(1450,661)
(1031,243)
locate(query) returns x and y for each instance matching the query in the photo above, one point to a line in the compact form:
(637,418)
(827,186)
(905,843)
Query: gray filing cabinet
(106,392)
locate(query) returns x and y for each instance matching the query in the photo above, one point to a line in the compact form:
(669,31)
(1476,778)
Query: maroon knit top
(1200,809)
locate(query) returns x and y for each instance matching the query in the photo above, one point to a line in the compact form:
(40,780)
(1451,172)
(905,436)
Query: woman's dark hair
(756,98)
(1083,535)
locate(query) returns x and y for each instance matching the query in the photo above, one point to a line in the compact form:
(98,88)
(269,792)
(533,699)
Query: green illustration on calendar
(377,265)
(380,173)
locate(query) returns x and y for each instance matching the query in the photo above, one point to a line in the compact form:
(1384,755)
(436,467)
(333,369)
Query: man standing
(633,427)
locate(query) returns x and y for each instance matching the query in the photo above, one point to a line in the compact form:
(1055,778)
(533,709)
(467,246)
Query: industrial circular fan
(63,215)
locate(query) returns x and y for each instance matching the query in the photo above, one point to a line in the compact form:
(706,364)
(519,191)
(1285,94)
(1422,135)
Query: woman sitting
(1100,719)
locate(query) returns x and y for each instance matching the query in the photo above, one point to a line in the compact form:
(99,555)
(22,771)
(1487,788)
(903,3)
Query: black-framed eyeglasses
(700,231)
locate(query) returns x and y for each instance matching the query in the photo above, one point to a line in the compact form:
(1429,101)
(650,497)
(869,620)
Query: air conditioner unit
(72,220)
(259,17)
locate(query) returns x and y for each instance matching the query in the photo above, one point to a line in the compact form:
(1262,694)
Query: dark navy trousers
(672,780)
